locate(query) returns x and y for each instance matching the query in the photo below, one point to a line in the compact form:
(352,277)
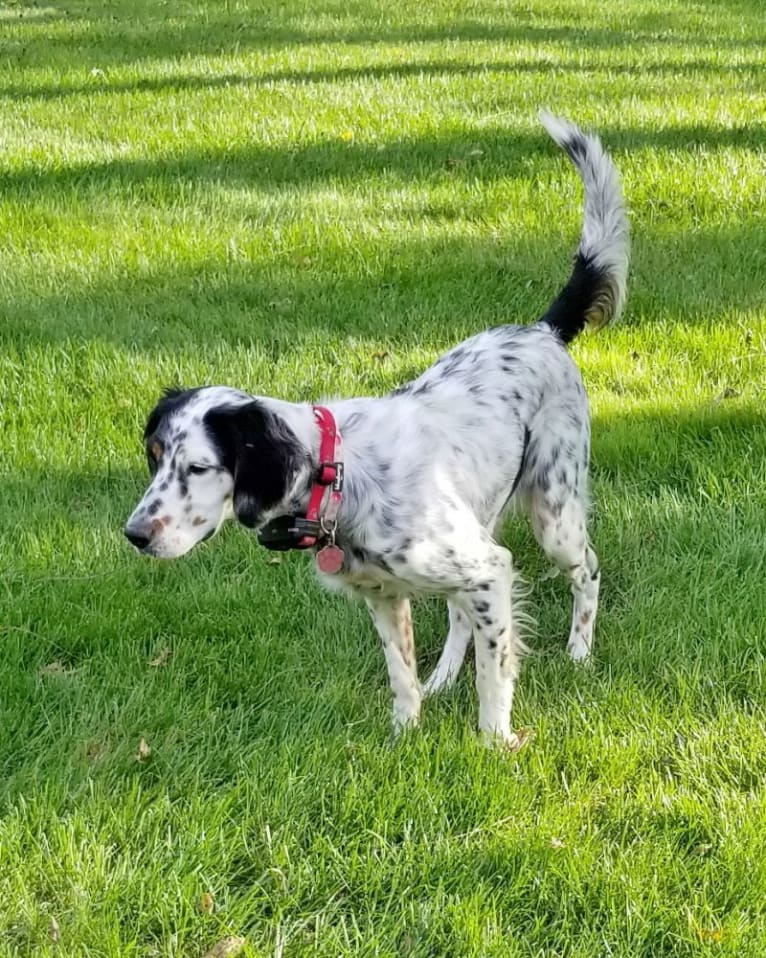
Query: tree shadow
(102,36)
(432,68)
(504,151)
(419,290)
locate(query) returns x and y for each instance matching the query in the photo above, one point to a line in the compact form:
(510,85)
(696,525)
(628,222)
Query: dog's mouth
(157,549)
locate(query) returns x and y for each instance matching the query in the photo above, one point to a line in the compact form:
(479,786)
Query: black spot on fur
(351,422)
(154,507)
(480,605)
(399,391)
(390,518)
(359,555)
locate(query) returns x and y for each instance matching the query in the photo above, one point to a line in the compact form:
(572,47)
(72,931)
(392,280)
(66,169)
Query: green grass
(308,198)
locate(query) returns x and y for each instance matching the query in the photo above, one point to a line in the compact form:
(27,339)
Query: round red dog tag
(330,559)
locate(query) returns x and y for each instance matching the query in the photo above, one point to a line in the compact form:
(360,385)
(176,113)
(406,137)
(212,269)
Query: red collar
(318,526)
(330,474)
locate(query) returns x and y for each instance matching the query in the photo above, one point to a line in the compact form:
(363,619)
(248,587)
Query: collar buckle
(289,532)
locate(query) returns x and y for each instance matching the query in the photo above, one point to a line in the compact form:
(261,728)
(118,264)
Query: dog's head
(213,453)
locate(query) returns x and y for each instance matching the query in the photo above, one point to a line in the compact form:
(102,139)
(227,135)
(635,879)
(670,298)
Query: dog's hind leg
(560,528)
(393,620)
(451,660)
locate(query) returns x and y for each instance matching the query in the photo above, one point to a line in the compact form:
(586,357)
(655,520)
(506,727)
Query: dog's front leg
(393,620)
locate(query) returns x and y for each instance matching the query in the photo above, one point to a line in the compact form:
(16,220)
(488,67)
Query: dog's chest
(361,575)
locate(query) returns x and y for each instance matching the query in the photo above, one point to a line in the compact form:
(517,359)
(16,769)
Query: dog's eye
(197,469)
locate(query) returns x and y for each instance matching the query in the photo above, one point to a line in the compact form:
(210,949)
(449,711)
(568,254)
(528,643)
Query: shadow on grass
(413,291)
(104,37)
(399,71)
(335,160)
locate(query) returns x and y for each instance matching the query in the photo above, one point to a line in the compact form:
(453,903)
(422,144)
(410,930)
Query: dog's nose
(138,539)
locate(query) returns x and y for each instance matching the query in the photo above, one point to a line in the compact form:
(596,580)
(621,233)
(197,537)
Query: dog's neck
(302,422)
(299,417)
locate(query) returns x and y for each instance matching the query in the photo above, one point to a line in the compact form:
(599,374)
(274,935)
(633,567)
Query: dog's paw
(579,651)
(404,722)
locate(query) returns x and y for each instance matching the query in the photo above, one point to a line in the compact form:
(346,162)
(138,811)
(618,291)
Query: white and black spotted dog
(410,504)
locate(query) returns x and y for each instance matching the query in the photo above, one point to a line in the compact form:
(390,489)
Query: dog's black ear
(260,451)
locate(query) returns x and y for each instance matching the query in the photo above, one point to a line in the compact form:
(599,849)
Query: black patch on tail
(576,148)
(568,313)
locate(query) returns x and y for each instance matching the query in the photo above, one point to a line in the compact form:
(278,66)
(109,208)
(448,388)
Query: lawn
(305,199)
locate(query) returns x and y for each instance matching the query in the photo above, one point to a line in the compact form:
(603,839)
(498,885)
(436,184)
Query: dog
(399,496)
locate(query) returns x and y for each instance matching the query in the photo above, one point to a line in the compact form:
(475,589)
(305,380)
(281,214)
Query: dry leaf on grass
(144,751)
(523,735)
(206,903)
(728,393)
(557,843)
(226,947)
(710,934)
(701,851)
(94,750)
(54,931)
(161,659)
(56,668)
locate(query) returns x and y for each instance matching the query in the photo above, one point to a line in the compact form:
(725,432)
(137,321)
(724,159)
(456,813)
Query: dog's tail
(595,293)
